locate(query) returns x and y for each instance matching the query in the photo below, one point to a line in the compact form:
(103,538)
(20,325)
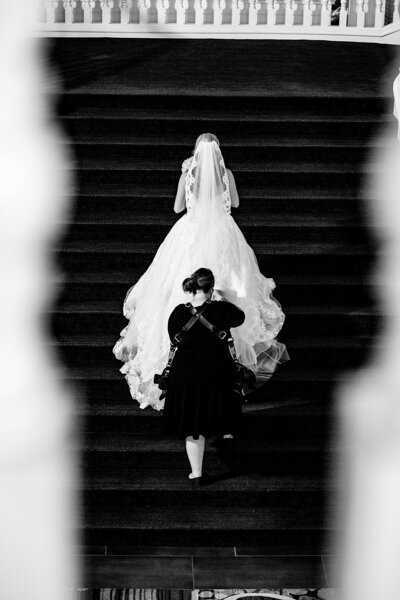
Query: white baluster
(343,14)
(199,7)
(125,6)
(254,7)
(51,6)
(88,6)
(396,15)
(273,7)
(162,7)
(143,6)
(219,7)
(361,4)
(290,9)
(237,7)
(309,7)
(181,8)
(379,14)
(326,11)
(69,6)
(106,6)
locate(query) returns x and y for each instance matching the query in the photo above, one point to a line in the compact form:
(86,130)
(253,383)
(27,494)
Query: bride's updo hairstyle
(202,279)
(206,137)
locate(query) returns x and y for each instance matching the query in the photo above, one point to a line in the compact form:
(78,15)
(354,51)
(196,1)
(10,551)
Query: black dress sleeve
(174,322)
(235,315)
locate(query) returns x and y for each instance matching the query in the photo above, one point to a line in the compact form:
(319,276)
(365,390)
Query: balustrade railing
(229,18)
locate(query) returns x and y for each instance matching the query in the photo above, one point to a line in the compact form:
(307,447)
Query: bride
(206,236)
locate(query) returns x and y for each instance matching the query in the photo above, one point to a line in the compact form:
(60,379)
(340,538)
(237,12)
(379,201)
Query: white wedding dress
(206,236)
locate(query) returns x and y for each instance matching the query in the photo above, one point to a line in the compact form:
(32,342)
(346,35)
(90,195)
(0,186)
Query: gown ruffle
(188,246)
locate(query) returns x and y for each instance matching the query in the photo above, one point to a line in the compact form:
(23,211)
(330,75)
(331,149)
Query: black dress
(200,400)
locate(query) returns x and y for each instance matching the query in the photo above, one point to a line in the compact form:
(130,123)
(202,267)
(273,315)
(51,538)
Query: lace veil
(207,184)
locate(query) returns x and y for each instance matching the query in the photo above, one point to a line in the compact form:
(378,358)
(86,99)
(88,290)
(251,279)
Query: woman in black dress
(200,401)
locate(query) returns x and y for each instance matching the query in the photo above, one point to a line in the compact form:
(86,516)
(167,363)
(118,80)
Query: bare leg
(195,452)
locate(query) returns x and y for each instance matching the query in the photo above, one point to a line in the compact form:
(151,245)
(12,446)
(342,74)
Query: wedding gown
(206,236)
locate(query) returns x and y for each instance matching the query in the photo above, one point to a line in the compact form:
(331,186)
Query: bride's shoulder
(186,164)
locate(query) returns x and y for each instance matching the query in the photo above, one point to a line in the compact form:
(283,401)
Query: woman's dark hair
(202,279)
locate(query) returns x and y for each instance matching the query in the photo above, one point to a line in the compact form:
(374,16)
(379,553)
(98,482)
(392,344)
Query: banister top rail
(355,20)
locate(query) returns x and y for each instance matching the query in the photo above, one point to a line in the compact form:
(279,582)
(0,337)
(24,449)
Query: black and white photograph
(200,233)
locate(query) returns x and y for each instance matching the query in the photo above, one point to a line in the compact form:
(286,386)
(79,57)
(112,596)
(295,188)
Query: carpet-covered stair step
(339,352)
(277,390)
(134,248)
(155,129)
(236,157)
(129,180)
(291,107)
(326,295)
(279,419)
(105,317)
(272,456)
(265,209)
(306,233)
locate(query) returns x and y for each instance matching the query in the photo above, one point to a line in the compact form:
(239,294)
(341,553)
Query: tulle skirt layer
(221,247)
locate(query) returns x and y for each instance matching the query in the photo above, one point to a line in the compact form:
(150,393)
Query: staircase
(297,141)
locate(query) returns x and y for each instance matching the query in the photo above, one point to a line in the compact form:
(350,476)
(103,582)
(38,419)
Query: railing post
(272,9)
(143,6)
(237,7)
(69,6)
(361,10)
(254,7)
(106,11)
(343,14)
(326,11)
(162,7)
(181,8)
(396,15)
(290,9)
(379,14)
(309,7)
(125,6)
(219,7)
(50,7)
(199,8)
(87,6)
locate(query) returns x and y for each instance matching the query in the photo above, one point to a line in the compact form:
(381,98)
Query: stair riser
(236,158)
(73,103)
(276,266)
(313,540)
(90,181)
(155,234)
(346,358)
(265,209)
(287,294)
(284,427)
(98,391)
(205,497)
(160,130)
(341,323)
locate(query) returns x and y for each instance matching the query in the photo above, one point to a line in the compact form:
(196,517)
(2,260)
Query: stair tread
(220,115)
(250,220)
(266,141)
(127,443)
(267,166)
(107,340)
(251,193)
(270,248)
(201,517)
(143,480)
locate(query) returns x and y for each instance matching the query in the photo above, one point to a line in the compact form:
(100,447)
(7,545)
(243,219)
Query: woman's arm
(232,189)
(180,202)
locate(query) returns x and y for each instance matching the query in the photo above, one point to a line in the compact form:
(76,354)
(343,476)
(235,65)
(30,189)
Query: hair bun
(202,279)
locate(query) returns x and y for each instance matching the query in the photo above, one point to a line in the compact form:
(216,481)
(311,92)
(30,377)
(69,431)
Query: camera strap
(222,335)
(177,339)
